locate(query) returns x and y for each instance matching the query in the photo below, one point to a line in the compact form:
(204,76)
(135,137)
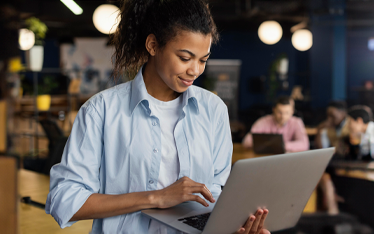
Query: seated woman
(282,122)
(153,142)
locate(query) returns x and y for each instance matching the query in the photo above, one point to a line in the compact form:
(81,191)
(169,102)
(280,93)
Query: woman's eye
(184,59)
(203,61)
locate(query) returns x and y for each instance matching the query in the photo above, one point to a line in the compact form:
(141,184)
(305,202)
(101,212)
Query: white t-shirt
(168,114)
(367,141)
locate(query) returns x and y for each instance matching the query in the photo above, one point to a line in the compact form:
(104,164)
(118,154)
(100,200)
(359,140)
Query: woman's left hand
(255,223)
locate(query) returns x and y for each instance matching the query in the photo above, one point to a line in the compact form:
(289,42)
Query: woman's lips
(186,82)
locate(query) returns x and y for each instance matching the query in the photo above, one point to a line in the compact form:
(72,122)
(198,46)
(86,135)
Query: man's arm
(257,127)
(321,140)
(301,141)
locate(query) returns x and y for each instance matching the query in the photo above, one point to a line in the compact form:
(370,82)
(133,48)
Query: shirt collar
(276,123)
(139,93)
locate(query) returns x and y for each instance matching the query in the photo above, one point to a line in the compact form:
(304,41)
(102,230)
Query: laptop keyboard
(197,221)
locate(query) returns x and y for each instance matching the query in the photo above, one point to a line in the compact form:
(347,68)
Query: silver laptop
(281,183)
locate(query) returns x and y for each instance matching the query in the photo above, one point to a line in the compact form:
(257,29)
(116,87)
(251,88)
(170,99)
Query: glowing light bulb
(105,18)
(302,39)
(270,32)
(26,39)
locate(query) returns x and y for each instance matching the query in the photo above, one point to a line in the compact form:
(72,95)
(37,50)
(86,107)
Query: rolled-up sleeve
(222,152)
(77,176)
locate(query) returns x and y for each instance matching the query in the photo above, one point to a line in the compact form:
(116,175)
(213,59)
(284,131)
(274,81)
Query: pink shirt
(294,134)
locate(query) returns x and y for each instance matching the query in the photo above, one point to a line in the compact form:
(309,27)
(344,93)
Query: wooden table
(311,131)
(240,152)
(33,220)
(354,169)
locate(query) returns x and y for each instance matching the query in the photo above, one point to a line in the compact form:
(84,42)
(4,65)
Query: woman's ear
(151,44)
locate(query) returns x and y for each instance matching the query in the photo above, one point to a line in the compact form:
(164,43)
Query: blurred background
(54,55)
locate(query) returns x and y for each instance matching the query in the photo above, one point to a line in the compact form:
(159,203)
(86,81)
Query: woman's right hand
(181,191)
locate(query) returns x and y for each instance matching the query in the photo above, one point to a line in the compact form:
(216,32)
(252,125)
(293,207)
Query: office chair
(56,145)
(358,197)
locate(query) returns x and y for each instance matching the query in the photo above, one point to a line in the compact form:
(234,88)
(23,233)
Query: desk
(311,131)
(33,220)
(240,152)
(354,169)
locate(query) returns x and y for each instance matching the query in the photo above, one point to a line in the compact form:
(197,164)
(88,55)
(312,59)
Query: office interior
(314,51)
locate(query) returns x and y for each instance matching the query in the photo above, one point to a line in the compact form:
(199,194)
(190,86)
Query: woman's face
(183,59)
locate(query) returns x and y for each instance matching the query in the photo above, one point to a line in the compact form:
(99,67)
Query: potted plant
(43,100)
(35,56)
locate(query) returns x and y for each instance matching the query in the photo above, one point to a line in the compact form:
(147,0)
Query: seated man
(282,122)
(361,130)
(334,127)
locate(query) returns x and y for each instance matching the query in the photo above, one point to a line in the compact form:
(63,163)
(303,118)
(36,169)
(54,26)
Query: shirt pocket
(140,168)
(201,162)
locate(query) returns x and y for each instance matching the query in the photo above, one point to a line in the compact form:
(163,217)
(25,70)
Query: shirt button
(154,123)
(151,181)
(155,151)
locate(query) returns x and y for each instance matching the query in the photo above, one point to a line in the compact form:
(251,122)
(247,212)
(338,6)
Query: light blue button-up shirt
(115,148)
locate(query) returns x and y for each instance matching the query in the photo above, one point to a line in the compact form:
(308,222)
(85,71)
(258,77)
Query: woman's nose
(193,69)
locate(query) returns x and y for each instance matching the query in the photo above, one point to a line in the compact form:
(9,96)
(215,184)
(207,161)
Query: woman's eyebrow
(192,54)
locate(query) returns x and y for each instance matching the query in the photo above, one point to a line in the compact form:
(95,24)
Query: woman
(152,142)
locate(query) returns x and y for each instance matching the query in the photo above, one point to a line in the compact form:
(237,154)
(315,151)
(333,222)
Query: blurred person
(281,121)
(330,131)
(361,132)
(156,141)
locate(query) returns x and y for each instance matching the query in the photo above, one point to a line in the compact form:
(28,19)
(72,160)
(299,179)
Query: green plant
(47,85)
(38,27)
(274,83)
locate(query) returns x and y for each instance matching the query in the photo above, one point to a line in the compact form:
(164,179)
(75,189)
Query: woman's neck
(154,84)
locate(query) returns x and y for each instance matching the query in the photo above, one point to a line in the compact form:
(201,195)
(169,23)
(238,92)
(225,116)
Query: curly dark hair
(163,18)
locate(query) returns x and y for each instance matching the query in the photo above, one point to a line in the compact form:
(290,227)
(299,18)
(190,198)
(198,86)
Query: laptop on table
(264,143)
(280,183)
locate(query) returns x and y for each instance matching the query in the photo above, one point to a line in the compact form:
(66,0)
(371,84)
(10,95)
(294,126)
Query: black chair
(358,197)
(56,145)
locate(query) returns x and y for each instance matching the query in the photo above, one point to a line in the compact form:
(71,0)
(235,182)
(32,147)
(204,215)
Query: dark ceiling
(228,14)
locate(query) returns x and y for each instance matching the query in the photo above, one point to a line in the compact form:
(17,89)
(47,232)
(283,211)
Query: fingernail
(252,218)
